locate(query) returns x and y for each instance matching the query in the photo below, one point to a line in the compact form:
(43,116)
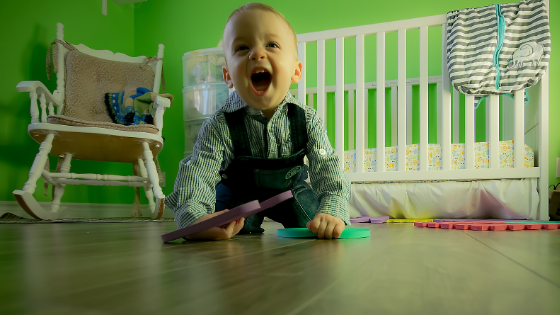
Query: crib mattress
(481,199)
(481,152)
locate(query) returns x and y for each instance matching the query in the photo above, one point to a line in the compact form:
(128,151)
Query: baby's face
(261,58)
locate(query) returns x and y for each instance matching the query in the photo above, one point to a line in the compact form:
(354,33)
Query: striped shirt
(194,194)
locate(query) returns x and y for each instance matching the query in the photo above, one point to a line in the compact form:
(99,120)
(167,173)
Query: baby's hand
(218,233)
(326,225)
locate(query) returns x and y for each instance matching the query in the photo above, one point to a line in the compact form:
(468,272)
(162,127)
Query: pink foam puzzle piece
(236,213)
(498,227)
(533,226)
(550,226)
(421,224)
(516,227)
(447,225)
(463,226)
(456,220)
(433,224)
(480,227)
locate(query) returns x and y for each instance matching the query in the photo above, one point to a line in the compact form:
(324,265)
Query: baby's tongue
(261,81)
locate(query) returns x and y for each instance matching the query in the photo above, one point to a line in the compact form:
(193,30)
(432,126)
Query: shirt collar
(234,102)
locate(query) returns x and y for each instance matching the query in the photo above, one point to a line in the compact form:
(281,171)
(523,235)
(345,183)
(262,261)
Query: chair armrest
(39,88)
(160,104)
(36,90)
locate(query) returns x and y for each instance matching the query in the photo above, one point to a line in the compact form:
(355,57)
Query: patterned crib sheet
(481,152)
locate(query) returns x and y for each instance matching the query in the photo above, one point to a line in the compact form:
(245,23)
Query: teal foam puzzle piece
(306,233)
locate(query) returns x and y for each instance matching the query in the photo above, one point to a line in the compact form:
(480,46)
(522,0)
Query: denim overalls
(248,178)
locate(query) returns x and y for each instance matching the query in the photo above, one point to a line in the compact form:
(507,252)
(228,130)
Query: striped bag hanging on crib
(498,49)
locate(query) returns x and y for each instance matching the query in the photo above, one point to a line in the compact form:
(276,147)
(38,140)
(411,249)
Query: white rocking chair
(85,132)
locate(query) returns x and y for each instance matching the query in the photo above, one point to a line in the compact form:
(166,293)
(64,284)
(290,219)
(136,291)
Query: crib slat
(439,113)
(366,113)
(339,100)
(519,129)
(543,143)
(445,97)
(321,95)
(488,121)
(503,121)
(456,116)
(360,112)
(424,98)
(394,118)
(409,114)
(380,102)
(493,102)
(351,119)
(301,85)
(402,100)
(469,131)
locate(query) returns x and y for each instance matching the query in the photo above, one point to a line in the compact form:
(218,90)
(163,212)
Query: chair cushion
(71,121)
(88,78)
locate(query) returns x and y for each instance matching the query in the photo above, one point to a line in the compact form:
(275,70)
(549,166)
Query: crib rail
(401,109)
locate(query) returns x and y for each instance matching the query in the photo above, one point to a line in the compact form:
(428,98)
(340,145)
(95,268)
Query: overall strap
(238,133)
(298,128)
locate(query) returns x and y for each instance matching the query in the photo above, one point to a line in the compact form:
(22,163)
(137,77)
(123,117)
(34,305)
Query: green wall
(184,26)
(28,27)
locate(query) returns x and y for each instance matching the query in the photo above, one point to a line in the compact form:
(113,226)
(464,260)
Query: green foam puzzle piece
(306,233)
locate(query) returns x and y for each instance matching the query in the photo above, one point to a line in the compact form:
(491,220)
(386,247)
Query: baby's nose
(257,53)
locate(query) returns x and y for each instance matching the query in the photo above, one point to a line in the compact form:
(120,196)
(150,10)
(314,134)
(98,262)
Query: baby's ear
(227,77)
(297,72)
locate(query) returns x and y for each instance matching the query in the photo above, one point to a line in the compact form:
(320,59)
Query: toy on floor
(306,233)
(489,225)
(375,220)
(236,213)
(408,220)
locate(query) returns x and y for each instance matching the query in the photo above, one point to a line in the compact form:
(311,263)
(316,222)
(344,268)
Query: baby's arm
(194,196)
(330,184)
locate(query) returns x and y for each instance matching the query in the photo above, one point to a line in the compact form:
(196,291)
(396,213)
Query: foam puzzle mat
(490,225)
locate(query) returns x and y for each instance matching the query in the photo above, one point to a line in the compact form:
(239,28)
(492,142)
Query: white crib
(514,126)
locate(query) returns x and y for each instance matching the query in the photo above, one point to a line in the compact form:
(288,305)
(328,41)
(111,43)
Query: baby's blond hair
(264,7)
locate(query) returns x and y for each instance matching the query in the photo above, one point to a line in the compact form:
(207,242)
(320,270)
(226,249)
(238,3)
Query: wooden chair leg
(154,179)
(25,197)
(148,188)
(59,189)
(136,211)
(39,164)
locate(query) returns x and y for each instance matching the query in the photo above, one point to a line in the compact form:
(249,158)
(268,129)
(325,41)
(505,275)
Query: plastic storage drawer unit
(203,66)
(200,102)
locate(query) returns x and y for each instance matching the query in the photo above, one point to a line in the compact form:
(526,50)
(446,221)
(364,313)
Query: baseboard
(84,210)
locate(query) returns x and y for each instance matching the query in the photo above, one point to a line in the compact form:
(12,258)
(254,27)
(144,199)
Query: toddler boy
(253,147)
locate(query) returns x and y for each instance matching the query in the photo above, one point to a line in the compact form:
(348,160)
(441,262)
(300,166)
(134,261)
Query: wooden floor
(122,268)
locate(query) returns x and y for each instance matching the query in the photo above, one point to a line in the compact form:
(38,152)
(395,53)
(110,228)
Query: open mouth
(261,80)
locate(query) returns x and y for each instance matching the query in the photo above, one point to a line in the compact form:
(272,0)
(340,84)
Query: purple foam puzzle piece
(376,220)
(360,220)
(236,213)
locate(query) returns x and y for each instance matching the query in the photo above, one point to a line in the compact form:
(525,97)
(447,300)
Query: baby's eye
(273,45)
(242,47)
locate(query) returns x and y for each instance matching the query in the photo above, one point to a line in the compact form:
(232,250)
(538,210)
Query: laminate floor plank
(440,272)
(536,250)
(116,268)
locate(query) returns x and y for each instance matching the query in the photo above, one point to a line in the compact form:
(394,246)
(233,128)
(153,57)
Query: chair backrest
(84,76)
